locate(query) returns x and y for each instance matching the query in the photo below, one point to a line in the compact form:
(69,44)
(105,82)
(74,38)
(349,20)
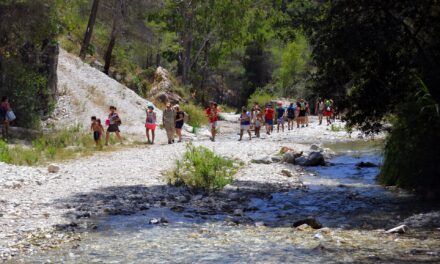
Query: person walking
(269,113)
(291,116)
(320,110)
(169,122)
(6,116)
(150,124)
(180,119)
(113,121)
(212,113)
(280,116)
(245,123)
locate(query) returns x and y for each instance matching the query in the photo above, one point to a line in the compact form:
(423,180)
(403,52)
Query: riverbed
(345,198)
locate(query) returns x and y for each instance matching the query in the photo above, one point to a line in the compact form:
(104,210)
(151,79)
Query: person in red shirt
(268,115)
(212,113)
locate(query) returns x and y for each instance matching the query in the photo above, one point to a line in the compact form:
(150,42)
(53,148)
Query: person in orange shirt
(212,113)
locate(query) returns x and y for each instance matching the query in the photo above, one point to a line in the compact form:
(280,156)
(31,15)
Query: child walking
(258,122)
(97,129)
(245,123)
(150,124)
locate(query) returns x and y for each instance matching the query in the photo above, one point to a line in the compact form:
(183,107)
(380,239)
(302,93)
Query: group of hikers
(295,112)
(173,119)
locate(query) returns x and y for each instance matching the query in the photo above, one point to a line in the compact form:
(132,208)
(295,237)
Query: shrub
(196,115)
(412,152)
(201,169)
(261,98)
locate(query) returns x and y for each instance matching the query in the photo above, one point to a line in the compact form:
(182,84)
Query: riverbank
(41,211)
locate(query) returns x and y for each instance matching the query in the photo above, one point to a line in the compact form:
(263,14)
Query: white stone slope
(86,91)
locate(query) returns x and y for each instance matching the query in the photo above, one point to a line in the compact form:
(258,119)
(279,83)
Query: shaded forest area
(378,59)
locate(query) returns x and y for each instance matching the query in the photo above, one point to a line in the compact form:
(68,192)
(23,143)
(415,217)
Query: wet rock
(178,209)
(291,156)
(398,229)
(52,168)
(155,221)
(287,173)
(300,161)
(315,159)
(367,164)
(238,212)
(312,222)
(259,224)
(262,160)
(234,196)
(315,147)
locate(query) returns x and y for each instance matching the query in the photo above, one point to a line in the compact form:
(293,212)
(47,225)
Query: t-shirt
(291,111)
(212,115)
(113,117)
(179,115)
(151,117)
(321,106)
(269,113)
(280,112)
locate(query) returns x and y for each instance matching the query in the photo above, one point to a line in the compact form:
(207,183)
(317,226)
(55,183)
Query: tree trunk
(89,30)
(117,20)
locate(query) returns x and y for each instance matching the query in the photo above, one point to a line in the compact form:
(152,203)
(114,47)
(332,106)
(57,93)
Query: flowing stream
(345,198)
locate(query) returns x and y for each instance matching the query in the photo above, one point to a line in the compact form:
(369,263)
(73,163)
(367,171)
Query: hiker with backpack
(280,116)
(301,113)
(320,110)
(290,116)
(169,122)
(150,124)
(113,122)
(6,116)
(180,120)
(212,112)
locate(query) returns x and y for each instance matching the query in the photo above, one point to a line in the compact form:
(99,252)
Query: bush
(196,115)
(260,97)
(201,169)
(412,152)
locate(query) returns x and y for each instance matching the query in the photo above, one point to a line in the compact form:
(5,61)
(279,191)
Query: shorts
(245,127)
(150,126)
(280,120)
(179,125)
(290,117)
(213,124)
(302,113)
(269,122)
(257,124)
(327,113)
(113,128)
(96,135)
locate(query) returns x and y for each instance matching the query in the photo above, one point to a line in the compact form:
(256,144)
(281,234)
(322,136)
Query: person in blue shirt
(245,123)
(280,116)
(291,116)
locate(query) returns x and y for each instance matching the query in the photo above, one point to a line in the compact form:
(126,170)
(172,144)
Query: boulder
(287,173)
(315,159)
(52,168)
(276,159)
(162,89)
(300,161)
(310,221)
(291,156)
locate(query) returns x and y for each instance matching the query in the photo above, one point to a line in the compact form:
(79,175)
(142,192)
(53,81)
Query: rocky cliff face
(162,90)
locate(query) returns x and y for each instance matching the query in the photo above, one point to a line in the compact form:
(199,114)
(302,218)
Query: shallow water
(343,197)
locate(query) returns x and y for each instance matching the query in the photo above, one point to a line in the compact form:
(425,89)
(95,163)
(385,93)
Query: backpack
(302,106)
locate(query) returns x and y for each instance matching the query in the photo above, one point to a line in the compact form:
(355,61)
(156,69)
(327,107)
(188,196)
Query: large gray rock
(291,156)
(315,159)
(262,160)
(310,221)
(162,89)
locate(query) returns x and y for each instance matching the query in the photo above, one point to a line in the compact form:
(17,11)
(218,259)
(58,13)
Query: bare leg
(147,133)
(250,135)
(107,137)
(118,135)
